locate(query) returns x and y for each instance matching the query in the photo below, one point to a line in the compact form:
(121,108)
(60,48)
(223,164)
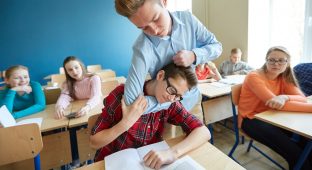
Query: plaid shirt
(146,130)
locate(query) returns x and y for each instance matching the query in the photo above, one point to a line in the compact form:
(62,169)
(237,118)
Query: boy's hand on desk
(59,113)
(155,159)
(132,112)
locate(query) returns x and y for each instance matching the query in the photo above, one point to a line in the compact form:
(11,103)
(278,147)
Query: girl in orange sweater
(273,87)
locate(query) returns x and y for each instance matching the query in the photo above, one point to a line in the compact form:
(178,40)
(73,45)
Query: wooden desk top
(206,155)
(297,122)
(49,122)
(120,79)
(76,106)
(212,90)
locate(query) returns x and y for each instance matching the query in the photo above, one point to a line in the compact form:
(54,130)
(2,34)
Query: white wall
(228,20)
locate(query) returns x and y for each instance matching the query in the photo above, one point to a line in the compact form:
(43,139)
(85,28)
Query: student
(120,126)
(272,87)
(78,86)
(166,36)
(21,96)
(235,65)
(206,71)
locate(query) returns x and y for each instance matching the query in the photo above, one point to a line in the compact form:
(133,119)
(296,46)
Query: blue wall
(41,33)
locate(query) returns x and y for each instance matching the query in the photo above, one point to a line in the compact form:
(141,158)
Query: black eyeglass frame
(173,91)
(272,61)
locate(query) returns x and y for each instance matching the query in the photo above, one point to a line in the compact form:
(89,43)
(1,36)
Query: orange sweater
(257,89)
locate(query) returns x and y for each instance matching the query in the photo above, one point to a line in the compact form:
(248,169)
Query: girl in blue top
(20,95)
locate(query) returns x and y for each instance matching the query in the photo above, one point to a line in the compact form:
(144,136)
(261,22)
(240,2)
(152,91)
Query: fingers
(154,159)
(149,159)
(59,113)
(83,111)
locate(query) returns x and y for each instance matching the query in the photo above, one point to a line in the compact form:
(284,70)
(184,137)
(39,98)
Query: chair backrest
(108,86)
(303,74)
(236,90)
(19,143)
(91,121)
(58,78)
(106,74)
(94,68)
(51,95)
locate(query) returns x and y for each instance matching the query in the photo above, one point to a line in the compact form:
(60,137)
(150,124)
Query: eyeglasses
(173,91)
(272,61)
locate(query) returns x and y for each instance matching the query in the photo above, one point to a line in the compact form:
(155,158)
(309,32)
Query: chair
(18,143)
(108,86)
(216,109)
(83,135)
(303,74)
(94,68)
(58,78)
(51,95)
(235,94)
(106,74)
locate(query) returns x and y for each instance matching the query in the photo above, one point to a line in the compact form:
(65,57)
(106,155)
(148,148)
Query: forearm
(217,75)
(196,138)
(28,111)
(106,136)
(63,101)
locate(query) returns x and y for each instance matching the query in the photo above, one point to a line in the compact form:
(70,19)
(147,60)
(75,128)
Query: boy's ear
(160,75)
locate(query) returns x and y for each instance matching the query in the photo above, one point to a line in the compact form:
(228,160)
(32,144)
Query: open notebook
(7,120)
(133,159)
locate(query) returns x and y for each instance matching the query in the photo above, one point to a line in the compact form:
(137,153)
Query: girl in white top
(78,85)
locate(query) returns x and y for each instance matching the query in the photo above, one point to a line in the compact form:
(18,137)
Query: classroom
(189,84)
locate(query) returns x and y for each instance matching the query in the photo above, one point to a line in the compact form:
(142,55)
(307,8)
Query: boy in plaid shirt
(120,126)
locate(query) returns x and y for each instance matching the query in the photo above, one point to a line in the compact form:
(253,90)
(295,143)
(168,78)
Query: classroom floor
(224,140)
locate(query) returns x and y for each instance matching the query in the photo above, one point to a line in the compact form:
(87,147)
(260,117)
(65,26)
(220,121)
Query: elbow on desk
(207,133)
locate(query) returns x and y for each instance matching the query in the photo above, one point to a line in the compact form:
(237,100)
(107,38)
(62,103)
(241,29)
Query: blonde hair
(10,70)
(288,74)
(236,51)
(129,7)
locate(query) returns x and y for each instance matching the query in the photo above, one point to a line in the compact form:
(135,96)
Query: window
(179,5)
(272,23)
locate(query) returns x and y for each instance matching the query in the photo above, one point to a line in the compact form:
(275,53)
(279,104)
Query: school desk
(84,149)
(218,106)
(206,155)
(120,79)
(56,145)
(296,122)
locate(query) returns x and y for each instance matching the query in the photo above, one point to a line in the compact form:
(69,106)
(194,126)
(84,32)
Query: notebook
(133,158)
(7,120)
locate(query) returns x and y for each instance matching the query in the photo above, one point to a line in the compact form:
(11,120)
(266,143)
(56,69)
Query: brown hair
(236,50)
(129,7)
(186,73)
(288,74)
(10,70)
(70,82)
